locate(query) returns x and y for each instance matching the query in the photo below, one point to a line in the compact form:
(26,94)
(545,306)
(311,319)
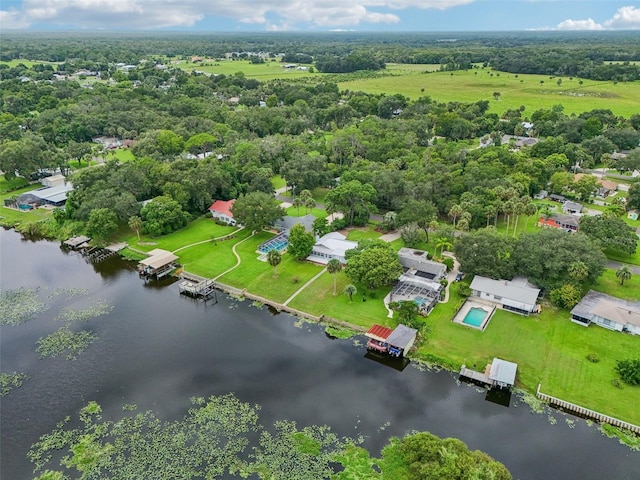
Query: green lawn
(203,228)
(257,276)
(301,212)
(28,63)
(515,90)
(278,182)
(610,284)
(11,217)
(212,258)
(549,349)
(318,299)
(357,234)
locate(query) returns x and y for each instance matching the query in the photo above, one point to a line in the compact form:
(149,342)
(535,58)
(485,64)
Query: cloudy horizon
(319,15)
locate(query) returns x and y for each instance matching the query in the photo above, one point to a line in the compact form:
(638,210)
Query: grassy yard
(301,212)
(515,90)
(278,182)
(11,217)
(212,258)
(549,350)
(203,228)
(257,276)
(610,284)
(318,299)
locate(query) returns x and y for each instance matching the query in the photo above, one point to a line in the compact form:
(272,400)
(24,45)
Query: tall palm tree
(274,258)
(334,266)
(518,209)
(489,212)
(455,212)
(508,208)
(624,273)
(529,210)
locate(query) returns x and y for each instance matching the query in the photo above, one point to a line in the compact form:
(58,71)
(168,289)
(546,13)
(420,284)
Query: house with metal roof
(608,312)
(221,211)
(55,196)
(517,296)
(331,245)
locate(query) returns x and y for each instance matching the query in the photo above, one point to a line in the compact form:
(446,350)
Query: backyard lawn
(548,348)
(210,259)
(318,299)
(201,229)
(257,276)
(610,284)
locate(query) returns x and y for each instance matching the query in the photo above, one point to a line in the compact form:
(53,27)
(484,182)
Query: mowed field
(515,90)
(260,71)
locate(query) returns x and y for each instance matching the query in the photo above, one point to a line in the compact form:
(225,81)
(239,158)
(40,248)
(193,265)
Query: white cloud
(273,14)
(625,18)
(588,24)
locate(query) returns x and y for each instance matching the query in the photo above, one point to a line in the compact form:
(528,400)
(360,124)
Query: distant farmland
(515,90)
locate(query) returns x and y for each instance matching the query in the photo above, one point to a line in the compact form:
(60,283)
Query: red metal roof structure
(221,206)
(378,332)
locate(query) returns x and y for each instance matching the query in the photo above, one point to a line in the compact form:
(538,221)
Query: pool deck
(468,305)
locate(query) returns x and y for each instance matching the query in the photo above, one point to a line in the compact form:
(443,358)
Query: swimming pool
(475,316)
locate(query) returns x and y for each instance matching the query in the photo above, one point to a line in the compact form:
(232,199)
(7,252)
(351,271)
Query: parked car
(459,276)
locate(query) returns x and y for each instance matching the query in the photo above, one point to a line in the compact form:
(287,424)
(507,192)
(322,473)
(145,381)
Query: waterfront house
(608,312)
(331,245)
(221,211)
(516,296)
(55,196)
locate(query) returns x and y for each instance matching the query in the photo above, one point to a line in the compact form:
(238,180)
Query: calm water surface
(157,349)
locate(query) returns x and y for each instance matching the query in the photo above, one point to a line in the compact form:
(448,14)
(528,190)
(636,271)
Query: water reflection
(157,349)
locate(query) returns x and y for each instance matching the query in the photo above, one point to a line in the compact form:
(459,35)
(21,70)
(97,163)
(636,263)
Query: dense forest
(197,137)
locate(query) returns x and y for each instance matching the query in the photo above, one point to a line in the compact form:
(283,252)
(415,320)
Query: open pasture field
(261,71)
(27,63)
(515,90)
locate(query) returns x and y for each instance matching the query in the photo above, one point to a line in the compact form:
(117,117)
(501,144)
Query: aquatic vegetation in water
(64,340)
(69,292)
(570,423)
(100,307)
(20,305)
(9,381)
(625,437)
(535,404)
(338,332)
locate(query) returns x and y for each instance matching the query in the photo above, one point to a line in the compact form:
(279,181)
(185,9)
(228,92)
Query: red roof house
(221,210)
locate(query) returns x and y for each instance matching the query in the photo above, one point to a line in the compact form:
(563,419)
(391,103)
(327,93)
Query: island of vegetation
(500,159)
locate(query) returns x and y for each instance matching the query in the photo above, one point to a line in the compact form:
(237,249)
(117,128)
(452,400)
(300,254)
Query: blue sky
(319,15)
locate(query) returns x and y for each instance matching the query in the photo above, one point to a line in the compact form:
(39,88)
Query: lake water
(157,349)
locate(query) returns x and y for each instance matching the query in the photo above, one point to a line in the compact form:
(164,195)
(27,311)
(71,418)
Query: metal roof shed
(402,337)
(503,373)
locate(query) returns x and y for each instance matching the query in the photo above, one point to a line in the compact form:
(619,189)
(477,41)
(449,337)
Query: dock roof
(158,258)
(378,332)
(402,336)
(503,372)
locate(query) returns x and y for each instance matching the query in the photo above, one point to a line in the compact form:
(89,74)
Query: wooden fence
(585,412)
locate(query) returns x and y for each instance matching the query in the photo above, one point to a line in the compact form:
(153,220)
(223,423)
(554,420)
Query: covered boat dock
(159,264)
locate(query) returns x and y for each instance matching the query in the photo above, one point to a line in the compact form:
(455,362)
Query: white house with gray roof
(331,245)
(608,312)
(517,296)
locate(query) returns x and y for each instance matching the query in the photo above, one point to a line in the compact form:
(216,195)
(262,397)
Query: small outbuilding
(158,264)
(503,373)
(401,340)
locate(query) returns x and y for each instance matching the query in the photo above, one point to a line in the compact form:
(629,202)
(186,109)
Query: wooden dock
(477,376)
(197,287)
